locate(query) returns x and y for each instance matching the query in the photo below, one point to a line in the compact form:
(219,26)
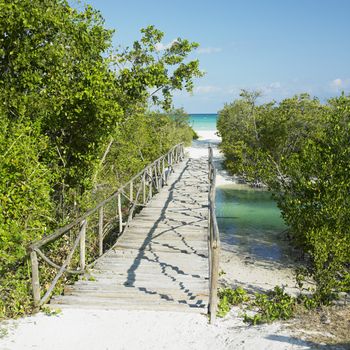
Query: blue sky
(280,47)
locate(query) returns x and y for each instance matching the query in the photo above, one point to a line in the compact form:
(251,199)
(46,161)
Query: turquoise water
(203,121)
(250,222)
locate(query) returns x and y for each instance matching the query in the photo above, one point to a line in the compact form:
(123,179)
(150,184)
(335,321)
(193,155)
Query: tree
(145,71)
(315,201)
(300,149)
(54,74)
(72,128)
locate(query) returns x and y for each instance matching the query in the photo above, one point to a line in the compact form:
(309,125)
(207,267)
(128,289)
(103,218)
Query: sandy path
(242,270)
(114,330)
(102,329)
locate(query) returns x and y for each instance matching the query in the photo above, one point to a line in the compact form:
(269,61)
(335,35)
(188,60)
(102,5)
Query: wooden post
(120,213)
(155,177)
(35,279)
(214,241)
(144,187)
(213,300)
(131,191)
(157,168)
(163,173)
(151,183)
(170,162)
(82,243)
(169,169)
(160,174)
(100,231)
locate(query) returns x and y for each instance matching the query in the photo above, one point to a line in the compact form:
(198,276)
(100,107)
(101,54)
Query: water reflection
(250,222)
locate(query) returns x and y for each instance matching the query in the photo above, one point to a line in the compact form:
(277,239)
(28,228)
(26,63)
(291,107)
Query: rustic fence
(214,241)
(88,233)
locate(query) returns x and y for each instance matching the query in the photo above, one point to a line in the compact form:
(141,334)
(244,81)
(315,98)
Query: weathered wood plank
(161,260)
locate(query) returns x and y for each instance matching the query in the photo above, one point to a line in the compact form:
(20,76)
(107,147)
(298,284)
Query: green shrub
(300,149)
(229,297)
(275,305)
(26,211)
(72,129)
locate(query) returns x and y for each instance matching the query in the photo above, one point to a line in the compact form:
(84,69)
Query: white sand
(99,329)
(200,149)
(114,330)
(242,270)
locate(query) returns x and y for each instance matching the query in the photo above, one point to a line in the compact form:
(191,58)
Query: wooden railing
(214,241)
(109,217)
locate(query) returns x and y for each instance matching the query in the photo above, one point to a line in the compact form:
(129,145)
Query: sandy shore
(100,329)
(200,149)
(242,270)
(114,330)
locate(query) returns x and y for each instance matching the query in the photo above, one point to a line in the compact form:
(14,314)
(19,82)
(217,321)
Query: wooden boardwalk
(161,260)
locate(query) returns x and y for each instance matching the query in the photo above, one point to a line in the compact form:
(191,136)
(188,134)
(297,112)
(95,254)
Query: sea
(203,122)
(249,220)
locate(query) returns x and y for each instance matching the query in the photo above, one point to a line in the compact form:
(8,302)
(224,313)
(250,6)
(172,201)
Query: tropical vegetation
(299,148)
(77,119)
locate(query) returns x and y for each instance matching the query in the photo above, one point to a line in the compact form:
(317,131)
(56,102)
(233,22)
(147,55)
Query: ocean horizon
(203,121)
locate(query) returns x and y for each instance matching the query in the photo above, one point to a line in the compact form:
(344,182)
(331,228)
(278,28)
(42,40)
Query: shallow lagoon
(250,223)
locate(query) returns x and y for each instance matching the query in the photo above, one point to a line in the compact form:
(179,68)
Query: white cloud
(275,85)
(235,90)
(206,89)
(209,50)
(267,89)
(161,46)
(336,83)
(339,83)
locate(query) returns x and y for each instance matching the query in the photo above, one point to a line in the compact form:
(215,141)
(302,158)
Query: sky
(280,47)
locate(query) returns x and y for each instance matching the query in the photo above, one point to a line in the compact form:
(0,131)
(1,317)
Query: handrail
(146,183)
(213,240)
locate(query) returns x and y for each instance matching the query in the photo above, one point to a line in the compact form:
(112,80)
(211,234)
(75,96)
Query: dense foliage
(74,121)
(259,308)
(301,150)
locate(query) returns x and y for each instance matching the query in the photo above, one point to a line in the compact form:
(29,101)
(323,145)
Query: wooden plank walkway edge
(166,257)
(161,260)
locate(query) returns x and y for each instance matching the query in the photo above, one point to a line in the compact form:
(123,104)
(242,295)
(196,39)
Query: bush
(72,129)
(275,305)
(301,150)
(229,297)
(26,210)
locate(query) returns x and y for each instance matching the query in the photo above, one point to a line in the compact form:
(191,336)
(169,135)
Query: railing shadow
(84,239)
(147,246)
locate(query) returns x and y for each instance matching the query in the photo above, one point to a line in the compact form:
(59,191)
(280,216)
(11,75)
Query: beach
(199,149)
(116,329)
(242,270)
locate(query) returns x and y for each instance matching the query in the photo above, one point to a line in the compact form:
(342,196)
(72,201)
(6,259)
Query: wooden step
(164,289)
(137,294)
(161,260)
(89,299)
(106,304)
